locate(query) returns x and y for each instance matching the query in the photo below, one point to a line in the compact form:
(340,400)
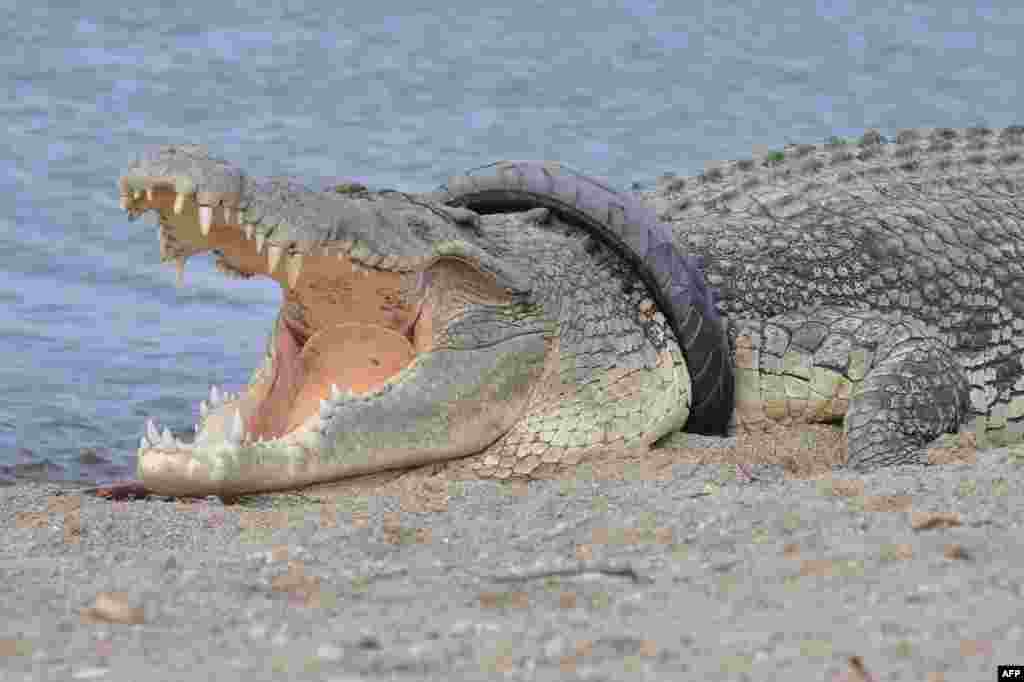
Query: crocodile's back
(930,224)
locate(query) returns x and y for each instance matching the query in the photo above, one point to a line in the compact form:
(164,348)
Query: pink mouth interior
(271,414)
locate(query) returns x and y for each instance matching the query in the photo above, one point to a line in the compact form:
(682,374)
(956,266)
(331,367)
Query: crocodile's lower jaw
(275,415)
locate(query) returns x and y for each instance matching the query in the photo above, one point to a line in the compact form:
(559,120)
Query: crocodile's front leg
(913,395)
(895,387)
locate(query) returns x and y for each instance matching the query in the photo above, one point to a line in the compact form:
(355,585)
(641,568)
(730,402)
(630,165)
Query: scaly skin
(927,231)
(518,338)
(413,332)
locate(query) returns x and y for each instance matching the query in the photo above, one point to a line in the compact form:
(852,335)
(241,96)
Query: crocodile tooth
(143,443)
(273,256)
(204,409)
(335,392)
(294,269)
(151,431)
(179,203)
(259,243)
(205,219)
(166,439)
(179,266)
(249,229)
(237,431)
(214,396)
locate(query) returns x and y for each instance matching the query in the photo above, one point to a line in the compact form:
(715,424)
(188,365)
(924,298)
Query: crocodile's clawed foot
(914,395)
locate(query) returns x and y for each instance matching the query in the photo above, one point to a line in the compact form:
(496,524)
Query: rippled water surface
(94,337)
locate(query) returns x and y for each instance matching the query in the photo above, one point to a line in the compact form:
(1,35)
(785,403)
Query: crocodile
(525,316)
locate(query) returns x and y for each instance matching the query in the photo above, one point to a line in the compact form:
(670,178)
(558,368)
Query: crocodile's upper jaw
(344,326)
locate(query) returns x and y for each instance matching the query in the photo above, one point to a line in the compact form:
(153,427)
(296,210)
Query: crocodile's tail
(633,230)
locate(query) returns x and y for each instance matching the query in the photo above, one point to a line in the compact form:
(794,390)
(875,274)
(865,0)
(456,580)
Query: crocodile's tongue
(354,356)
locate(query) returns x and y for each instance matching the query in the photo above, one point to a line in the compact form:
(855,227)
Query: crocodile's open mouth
(351,319)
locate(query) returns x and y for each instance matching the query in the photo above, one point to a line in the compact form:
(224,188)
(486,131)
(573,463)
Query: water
(94,337)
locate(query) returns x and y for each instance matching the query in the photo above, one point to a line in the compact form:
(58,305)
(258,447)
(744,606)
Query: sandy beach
(657,569)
